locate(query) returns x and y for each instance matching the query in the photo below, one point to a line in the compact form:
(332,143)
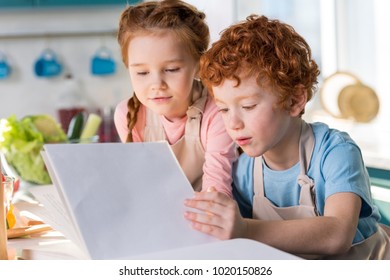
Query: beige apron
(188,149)
(376,246)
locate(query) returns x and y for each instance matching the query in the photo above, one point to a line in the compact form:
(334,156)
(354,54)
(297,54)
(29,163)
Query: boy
(302,188)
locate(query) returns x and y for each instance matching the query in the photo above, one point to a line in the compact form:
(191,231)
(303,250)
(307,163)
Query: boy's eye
(249,107)
(142,73)
(172,69)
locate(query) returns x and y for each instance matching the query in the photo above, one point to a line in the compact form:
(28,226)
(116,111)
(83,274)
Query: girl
(161,43)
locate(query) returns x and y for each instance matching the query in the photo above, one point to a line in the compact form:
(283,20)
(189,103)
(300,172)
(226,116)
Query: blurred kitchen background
(345,36)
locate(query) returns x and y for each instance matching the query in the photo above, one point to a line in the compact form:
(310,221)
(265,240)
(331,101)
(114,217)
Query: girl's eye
(250,107)
(172,69)
(223,110)
(142,73)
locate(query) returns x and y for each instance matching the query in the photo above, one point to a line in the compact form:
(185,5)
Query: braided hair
(155,16)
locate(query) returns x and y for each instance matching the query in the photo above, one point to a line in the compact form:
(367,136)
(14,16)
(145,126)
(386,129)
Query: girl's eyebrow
(216,100)
(136,64)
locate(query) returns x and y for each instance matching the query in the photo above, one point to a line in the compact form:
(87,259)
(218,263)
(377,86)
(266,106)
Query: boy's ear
(298,101)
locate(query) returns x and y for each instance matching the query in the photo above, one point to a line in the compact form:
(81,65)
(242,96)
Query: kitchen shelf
(62,3)
(64,34)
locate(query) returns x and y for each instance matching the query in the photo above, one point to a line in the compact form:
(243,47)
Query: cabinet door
(16,3)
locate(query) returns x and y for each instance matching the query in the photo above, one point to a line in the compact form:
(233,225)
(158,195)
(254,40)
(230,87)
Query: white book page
(53,212)
(72,229)
(126,199)
(232,249)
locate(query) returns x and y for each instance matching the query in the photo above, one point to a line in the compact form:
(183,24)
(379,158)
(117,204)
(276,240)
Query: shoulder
(211,118)
(328,138)
(335,150)
(120,111)
(121,108)
(210,108)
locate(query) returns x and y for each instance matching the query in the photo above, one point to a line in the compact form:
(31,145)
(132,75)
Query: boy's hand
(219,216)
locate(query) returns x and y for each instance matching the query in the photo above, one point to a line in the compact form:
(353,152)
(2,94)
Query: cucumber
(91,126)
(76,126)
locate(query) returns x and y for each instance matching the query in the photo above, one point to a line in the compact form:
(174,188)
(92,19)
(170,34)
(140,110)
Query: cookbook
(126,201)
(122,199)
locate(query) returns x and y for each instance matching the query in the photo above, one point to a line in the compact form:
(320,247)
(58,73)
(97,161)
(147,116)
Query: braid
(133,106)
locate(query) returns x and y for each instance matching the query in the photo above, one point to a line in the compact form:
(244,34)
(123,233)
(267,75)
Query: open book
(126,201)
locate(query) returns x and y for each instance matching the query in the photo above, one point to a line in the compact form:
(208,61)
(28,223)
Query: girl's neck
(175,119)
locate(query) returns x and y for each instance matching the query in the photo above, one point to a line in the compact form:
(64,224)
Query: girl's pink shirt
(220,150)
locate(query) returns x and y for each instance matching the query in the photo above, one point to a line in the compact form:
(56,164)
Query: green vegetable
(91,126)
(76,126)
(21,141)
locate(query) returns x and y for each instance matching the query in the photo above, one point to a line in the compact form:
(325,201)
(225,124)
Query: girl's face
(162,72)
(252,118)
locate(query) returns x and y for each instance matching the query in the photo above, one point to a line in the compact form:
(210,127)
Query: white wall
(24,93)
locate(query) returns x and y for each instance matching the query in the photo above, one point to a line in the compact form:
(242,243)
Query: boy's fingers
(209,206)
(208,229)
(212,229)
(205,219)
(214,196)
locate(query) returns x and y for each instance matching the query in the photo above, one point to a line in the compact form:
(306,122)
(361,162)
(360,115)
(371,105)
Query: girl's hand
(219,215)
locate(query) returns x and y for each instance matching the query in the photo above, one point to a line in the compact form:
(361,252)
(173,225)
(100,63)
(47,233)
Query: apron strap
(195,111)
(306,147)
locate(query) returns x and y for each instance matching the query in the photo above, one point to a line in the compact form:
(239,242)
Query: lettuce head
(22,140)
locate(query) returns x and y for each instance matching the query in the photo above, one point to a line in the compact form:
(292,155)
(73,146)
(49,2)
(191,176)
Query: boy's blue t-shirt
(336,166)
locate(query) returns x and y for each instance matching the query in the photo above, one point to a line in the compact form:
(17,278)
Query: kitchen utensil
(5,68)
(330,90)
(3,226)
(27,230)
(47,65)
(343,95)
(103,63)
(358,102)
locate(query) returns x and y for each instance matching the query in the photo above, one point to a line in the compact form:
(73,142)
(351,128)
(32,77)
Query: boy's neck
(286,154)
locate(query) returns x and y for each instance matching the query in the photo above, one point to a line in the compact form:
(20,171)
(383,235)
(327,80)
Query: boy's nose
(235,122)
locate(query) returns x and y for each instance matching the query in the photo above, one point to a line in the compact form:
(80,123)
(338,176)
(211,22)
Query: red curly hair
(272,51)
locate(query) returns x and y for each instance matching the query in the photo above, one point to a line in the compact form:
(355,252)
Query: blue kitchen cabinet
(16,3)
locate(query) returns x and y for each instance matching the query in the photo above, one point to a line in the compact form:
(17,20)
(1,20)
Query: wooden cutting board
(3,226)
(28,230)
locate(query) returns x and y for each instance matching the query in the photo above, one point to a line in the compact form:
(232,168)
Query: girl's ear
(197,74)
(298,101)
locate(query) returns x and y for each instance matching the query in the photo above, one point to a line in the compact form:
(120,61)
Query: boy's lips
(242,141)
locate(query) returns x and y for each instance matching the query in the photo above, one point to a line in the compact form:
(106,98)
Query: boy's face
(251,116)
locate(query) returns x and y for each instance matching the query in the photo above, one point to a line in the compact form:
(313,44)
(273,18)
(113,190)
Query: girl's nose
(158,82)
